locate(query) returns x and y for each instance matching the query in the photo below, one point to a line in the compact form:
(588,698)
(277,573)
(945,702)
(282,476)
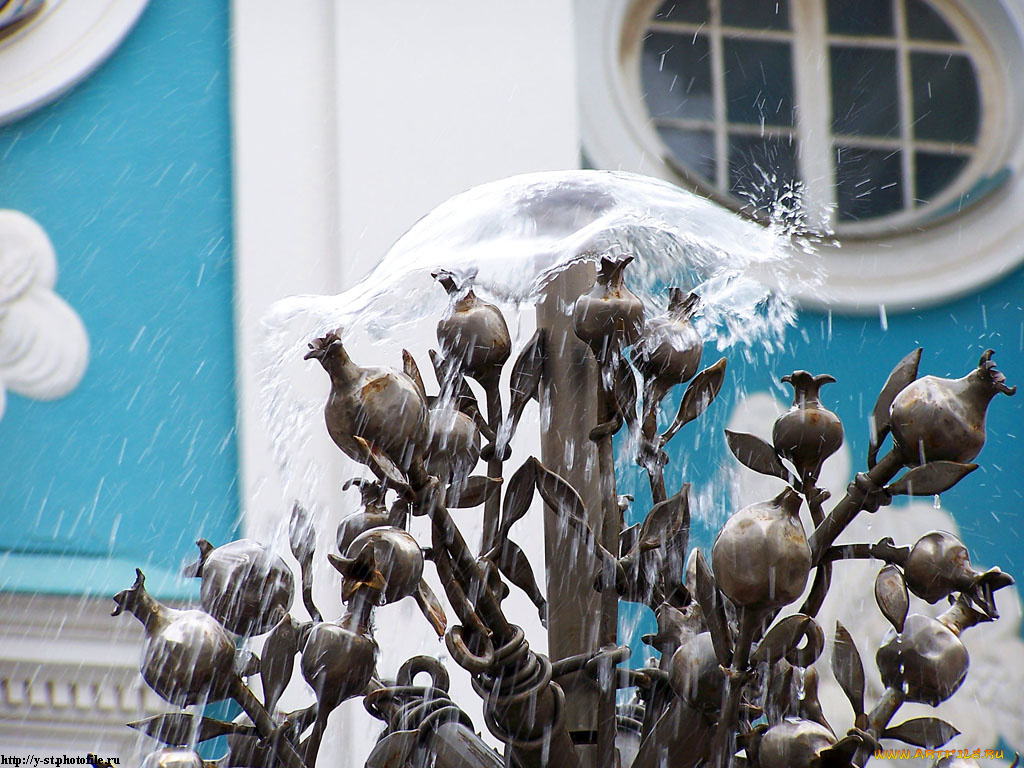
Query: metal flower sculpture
(724,692)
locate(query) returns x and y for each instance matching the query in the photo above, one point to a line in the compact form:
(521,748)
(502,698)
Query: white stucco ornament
(987,707)
(44,348)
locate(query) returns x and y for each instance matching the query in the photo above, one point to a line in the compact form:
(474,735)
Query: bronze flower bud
(372,515)
(356,524)
(472,332)
(454,446)
(670,348)
(794,743)
(696,676)
(610,311)
(808,433)
(337,662)
(246,587)
(935,419)
(385,559)
(937,565)
(188,657)
(927,661)
(761,558)
(382,406)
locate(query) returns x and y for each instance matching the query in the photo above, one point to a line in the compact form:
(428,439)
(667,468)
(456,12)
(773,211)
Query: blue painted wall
(130,174)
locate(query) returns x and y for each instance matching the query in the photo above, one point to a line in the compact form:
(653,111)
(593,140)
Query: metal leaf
(698,396)
(891,595)
(819,589)
(383,462)
(518,496)
(524,382)
(560,495)
(931,478)
(301,534)
(474,492)
(848,669)
(413,372)
(680,738)
(177,728)
(754,453)
(927,732)
(841,753)
(781,638)
(710,601)
(278,660)
(902,375)
(665,519)
(565,502)
(514,564)
(431,608)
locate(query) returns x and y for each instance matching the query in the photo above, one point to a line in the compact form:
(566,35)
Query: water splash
(518,234)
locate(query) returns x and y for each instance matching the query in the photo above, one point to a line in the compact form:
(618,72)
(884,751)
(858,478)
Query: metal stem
(879,718)
(448,535)
(721,755)
(658,698)
(657,481)
(610,529)
(823,571)
(492,506)
(265,725)
(850,506)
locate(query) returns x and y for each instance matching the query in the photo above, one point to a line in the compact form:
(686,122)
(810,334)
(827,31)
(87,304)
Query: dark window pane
(756,14)
(694,151)
(860,17)
(758,82)
(760,168)
(694,11)
(869,182)
(933,172)
(925,23)
(864,99)
(946,102)
(677,75)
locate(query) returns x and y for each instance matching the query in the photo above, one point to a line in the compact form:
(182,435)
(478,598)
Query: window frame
(939,258)
(812,130)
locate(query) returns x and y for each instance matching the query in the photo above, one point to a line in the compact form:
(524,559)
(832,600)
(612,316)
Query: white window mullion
(718,94)
(906,91)
(813,97)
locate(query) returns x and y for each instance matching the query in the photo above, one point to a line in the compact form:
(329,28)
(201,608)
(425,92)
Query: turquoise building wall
(130,175)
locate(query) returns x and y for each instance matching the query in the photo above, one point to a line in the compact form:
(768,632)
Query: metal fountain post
(569,405)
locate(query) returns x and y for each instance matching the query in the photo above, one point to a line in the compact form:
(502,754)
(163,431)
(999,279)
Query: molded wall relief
(44,348)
